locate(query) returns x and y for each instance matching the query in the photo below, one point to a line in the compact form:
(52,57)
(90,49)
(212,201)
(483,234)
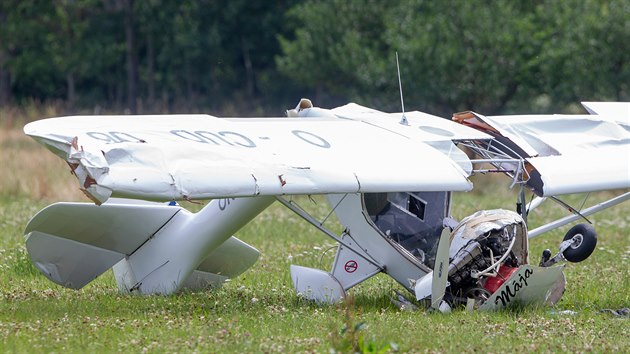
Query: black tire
(587,240)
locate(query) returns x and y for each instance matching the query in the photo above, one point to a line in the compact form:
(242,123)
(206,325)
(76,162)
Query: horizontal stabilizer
(230,259)
(73,243)
(66,262)
(120,228)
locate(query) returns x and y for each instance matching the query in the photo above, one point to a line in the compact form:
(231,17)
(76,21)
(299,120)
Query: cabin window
(416,206)
(411,219)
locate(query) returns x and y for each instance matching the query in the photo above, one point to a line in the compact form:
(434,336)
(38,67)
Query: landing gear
(578,244)
(583,241)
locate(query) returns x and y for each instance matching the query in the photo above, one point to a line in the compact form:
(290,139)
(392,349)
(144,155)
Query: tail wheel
(584,240)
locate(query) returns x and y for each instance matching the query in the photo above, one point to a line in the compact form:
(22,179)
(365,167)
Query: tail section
(66,262)
(153,247)
(73,243)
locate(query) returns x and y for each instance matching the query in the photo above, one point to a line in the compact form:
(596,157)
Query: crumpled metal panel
(529,285)
(561,134)
(174,157)
(484,221)
(570,153)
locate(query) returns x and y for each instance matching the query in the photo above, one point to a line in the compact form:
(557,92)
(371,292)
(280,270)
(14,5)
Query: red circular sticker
(351,266)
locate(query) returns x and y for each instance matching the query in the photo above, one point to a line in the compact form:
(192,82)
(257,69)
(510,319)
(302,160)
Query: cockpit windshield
(411,219)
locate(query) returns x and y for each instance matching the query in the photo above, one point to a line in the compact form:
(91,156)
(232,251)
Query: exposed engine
(487,247)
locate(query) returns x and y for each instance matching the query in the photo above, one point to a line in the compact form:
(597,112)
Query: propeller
(440,271)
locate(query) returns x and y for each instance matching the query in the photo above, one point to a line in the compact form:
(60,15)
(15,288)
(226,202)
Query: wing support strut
(570,209)
(319,225)
(586,212)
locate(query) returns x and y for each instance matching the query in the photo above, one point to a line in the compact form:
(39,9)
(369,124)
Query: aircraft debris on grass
(388,177)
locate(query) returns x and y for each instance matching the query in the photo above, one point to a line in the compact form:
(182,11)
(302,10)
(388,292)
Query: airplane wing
(175,157)
(617,111)
(435,131)
(566,153)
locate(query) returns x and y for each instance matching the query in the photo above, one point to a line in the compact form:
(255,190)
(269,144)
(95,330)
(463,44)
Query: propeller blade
(440,271)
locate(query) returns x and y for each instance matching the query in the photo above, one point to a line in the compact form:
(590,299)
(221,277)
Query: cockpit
(412,220)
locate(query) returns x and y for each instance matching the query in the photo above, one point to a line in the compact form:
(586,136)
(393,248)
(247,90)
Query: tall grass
(29,170)
(15,116)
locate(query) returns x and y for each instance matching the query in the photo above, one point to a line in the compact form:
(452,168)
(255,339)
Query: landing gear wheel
(584,241)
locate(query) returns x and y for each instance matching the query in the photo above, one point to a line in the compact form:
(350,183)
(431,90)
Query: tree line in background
(259,57)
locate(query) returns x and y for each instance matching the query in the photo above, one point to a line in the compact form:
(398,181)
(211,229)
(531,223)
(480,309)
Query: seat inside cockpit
(413,220)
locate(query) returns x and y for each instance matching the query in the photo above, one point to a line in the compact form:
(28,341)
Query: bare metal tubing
(495,160)
(494,171)
(307,217)
(586,212)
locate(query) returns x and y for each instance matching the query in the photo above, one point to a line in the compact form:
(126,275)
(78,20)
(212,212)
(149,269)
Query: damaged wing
(565,153)
(175,157)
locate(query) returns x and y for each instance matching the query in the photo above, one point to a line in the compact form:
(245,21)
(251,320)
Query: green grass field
(259,311)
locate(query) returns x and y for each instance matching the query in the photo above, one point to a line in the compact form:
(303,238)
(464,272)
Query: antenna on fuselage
(403,119)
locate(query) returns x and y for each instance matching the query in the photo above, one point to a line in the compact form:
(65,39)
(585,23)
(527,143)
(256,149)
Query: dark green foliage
(241,57)
(493,57)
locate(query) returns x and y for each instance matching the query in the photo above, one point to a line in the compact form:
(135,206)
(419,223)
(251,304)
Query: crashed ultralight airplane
(388,177)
